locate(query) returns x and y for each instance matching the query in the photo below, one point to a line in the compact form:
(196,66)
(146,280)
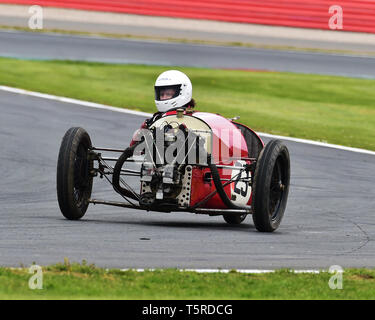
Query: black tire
(74,182)
(234,218)
(271,186)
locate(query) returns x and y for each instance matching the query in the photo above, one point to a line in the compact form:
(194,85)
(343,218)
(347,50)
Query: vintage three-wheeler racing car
(185,161)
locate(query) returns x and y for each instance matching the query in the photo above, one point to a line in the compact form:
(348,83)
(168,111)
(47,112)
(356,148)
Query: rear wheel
(74,182)
(271,186)
(234,219)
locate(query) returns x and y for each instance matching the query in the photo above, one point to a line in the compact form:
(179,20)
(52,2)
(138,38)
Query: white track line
(145,114)
(74,101)
(246,271)
(317,143)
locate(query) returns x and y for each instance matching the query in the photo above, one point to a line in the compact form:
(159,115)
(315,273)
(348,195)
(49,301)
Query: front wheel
(74,181)
(271,186)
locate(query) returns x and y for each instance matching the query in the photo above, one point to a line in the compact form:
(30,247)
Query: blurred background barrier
(358,16)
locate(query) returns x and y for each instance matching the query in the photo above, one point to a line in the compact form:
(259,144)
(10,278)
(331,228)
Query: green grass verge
(82,281)
(332,109)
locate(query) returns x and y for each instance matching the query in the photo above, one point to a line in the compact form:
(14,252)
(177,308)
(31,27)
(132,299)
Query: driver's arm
(146,124)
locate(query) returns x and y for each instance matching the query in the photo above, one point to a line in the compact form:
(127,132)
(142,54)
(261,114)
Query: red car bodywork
(225,152)
(233,146)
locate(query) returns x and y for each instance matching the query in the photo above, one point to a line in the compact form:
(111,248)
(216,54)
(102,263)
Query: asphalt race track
(329,218)
(52,46)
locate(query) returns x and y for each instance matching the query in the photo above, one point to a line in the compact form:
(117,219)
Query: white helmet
(173,89)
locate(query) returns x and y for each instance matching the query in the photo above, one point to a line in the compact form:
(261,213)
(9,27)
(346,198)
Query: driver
(173,90)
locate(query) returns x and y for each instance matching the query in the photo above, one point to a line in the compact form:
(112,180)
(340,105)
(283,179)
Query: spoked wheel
(271,186)
(74,182)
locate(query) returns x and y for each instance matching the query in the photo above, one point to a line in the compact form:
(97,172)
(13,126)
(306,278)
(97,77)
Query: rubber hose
(219,187)
(117,171)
